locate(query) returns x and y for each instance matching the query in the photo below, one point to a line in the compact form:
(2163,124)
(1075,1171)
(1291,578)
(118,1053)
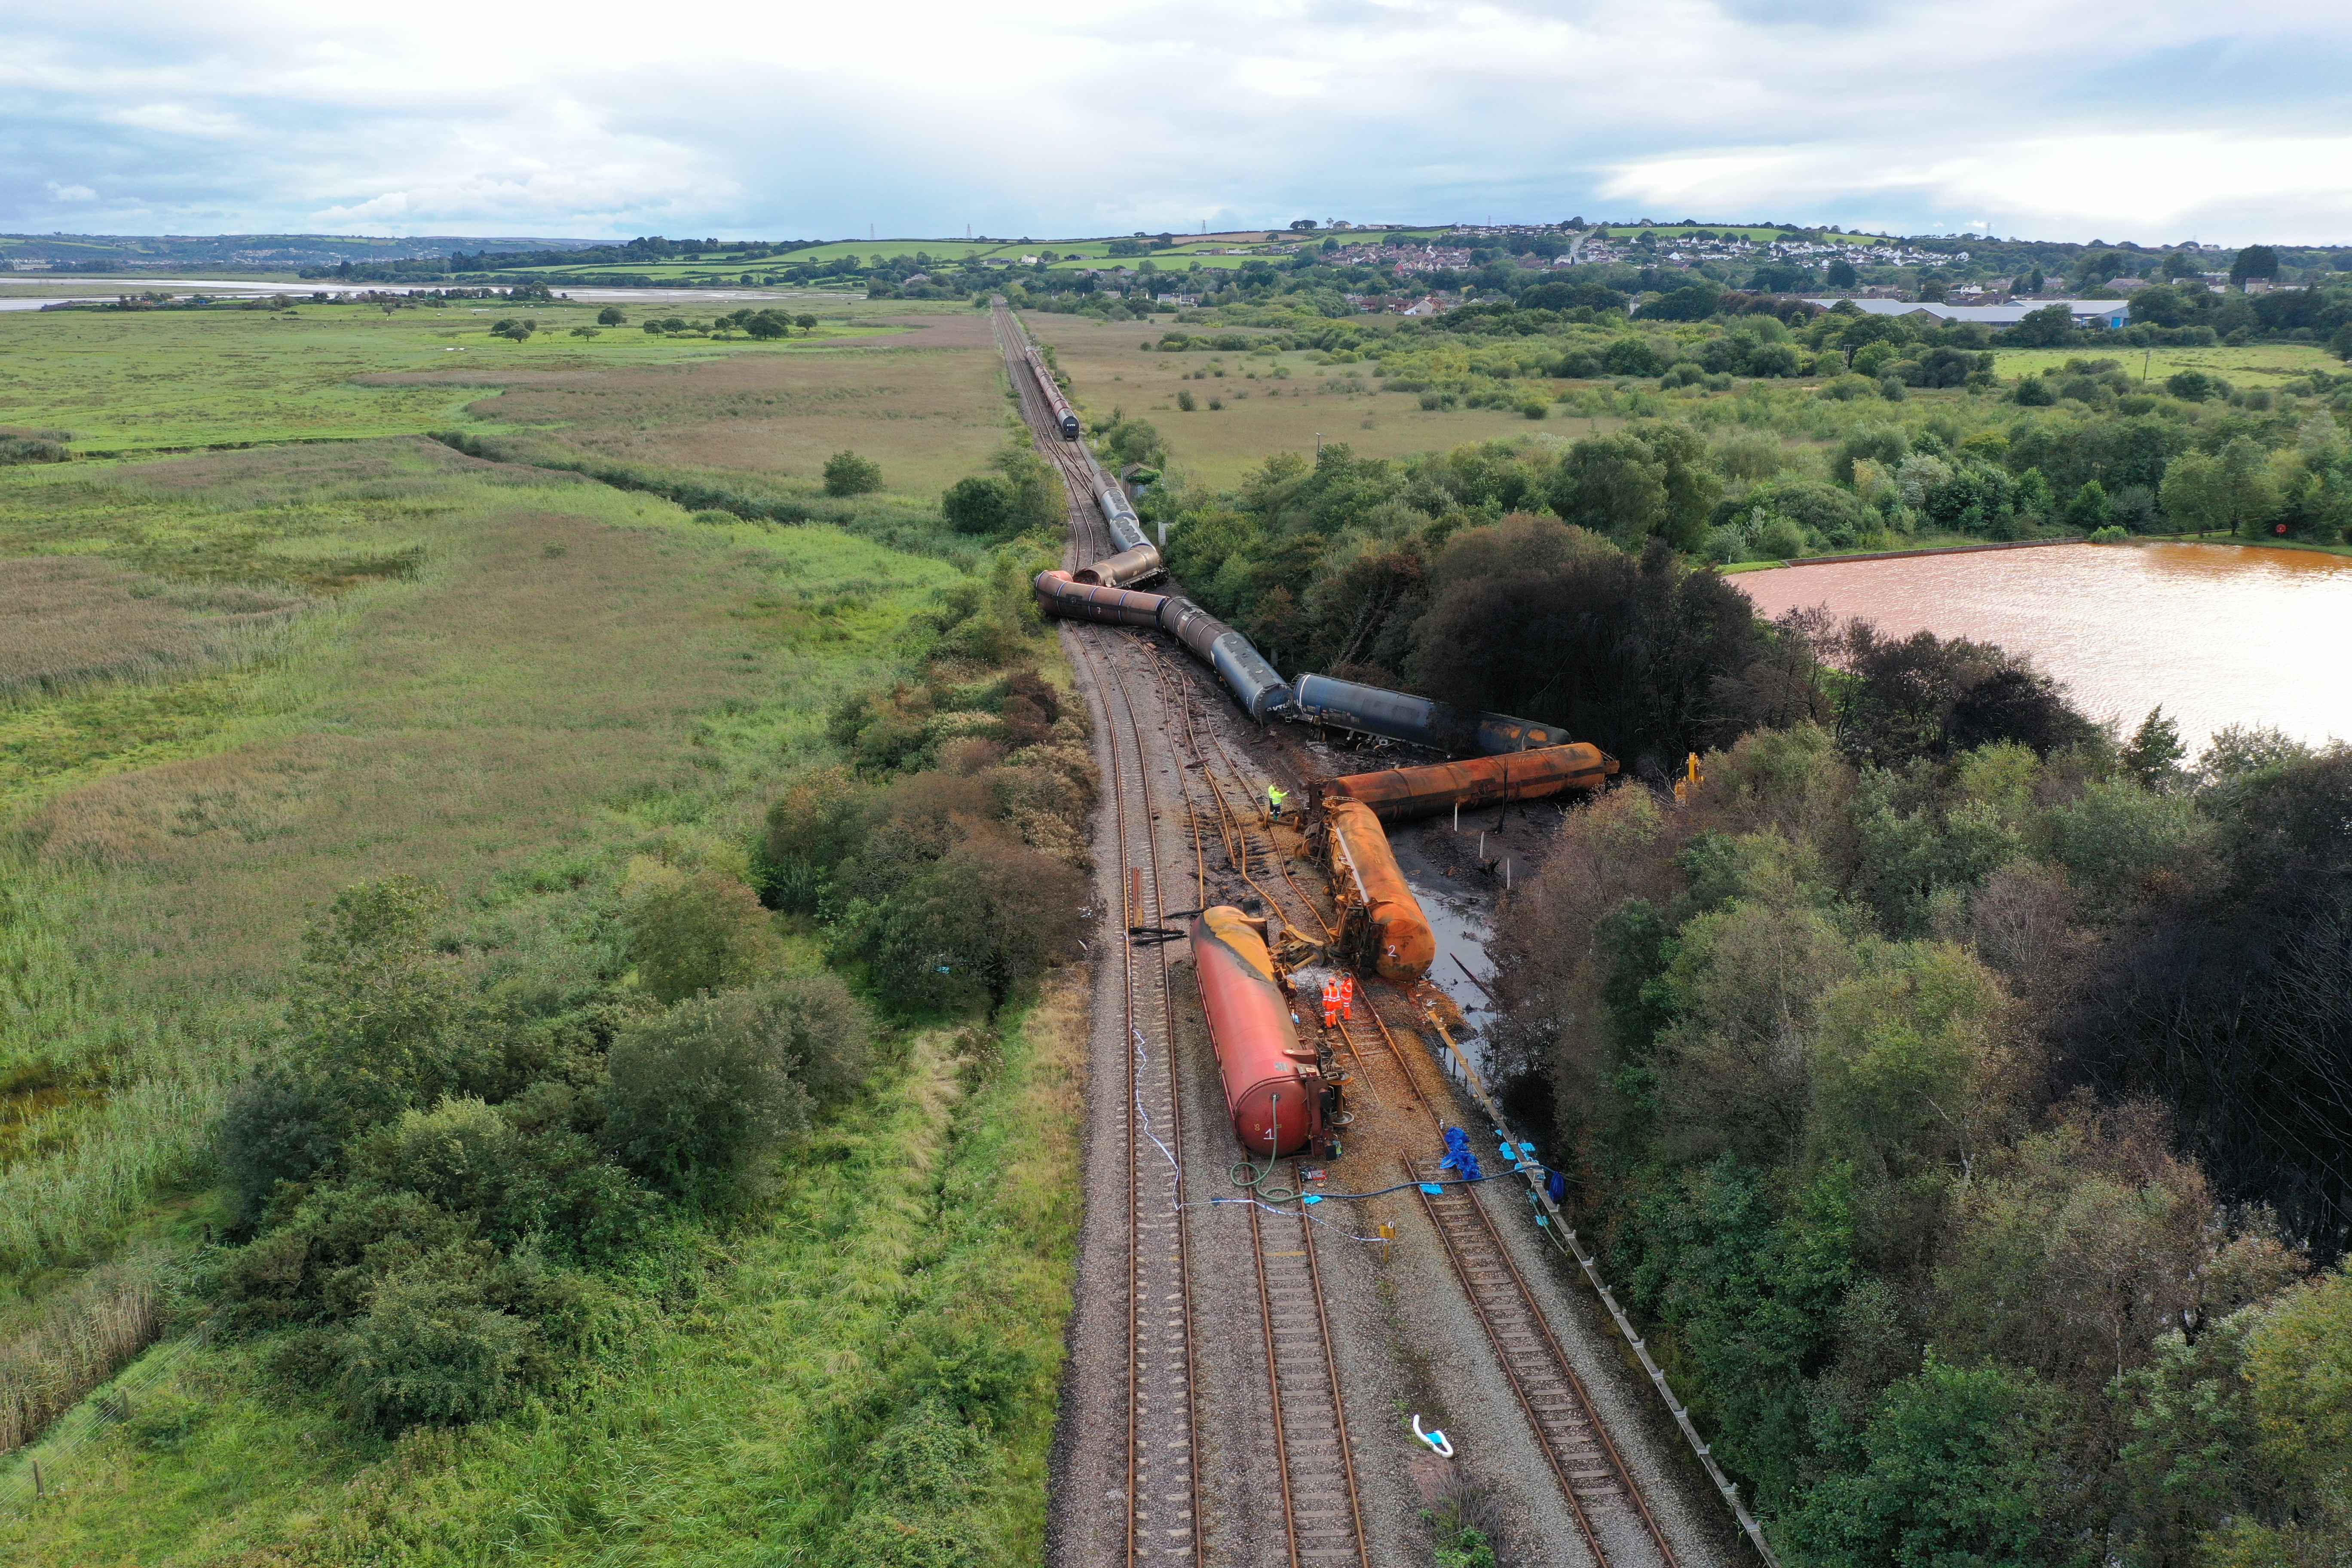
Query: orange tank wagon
(1400,793)
(1381,928)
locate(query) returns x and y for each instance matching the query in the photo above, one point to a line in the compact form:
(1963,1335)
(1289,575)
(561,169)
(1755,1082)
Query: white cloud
(72,193)
(1025,117)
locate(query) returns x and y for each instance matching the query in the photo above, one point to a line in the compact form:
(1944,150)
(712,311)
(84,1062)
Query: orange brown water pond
(2217,634)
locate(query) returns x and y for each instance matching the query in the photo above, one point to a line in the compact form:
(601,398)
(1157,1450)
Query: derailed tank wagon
(1275,1091)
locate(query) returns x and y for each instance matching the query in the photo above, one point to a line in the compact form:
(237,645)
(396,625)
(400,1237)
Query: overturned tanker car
(1276,1090)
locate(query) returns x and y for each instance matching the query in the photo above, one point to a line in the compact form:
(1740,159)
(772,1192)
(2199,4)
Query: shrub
(699,1092)
(847,474)
(430,1352)
(279,1127)
(2110,534)
(461,1154)
(1185,400)
(30,450)
(1780,539)
(704,932)
(981,504)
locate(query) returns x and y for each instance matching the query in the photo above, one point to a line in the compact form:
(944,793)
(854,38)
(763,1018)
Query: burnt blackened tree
(1628,654)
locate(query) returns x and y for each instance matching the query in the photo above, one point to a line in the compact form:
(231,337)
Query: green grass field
(2255,365)
(349,652)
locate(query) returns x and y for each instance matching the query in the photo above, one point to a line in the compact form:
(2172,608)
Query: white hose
(1436,1440)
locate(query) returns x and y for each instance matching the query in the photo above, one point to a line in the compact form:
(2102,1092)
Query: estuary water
(2217,634)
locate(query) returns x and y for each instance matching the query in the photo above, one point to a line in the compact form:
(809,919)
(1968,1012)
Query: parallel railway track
(1322,1513)
(1163,1491)
(1322,1517)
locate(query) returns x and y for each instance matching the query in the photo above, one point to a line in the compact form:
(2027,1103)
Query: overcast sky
(2157,122)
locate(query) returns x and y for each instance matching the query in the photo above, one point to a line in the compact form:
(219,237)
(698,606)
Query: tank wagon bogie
(1275,1089)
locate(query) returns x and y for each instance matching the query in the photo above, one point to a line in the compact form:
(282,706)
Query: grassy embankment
(350,658)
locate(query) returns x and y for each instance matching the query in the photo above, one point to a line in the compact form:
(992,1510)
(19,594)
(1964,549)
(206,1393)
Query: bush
(430,1352)
(847,474)
(30,450)
(2110,534)
(699,1092)
(981,504)
(461,1154)
(279,1128)
(704,932)
(1780,539)
(2197,386)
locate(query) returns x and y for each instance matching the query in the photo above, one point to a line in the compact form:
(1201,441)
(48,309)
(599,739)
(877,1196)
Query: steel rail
(1542,1377)
(1149,1277)
(1295,1410)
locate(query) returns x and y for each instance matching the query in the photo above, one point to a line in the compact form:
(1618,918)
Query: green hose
(1255,1181)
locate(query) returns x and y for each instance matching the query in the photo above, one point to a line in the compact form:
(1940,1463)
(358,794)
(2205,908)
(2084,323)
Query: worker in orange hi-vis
(1330,1003)
(1348,997)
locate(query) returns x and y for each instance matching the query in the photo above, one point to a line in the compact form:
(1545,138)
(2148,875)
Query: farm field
(1271,414)
(2250,366)
(233,683)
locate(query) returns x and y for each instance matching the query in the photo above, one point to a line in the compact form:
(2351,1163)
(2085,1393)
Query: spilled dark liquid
(2219,635)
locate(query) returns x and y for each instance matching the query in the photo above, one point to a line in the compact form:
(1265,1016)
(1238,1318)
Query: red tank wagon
(1273,1084)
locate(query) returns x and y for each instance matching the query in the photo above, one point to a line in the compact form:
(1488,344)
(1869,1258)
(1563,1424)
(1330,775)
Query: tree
(2254,261)
(1613,485)
(1959,1467)
(2090,511)
(379,1013)
(2231,491)
(1303,223)
(847,474)
(2156,752)
(2049,327)
(1840,274)
(979,504)
(611,316)
(806,322)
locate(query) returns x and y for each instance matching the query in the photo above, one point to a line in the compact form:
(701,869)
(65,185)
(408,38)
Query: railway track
(1163,1491)
(1602,1493)
(1321,1510)
(1322,1517)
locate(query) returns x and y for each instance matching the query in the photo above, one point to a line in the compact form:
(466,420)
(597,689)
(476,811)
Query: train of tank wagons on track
(1275,1091)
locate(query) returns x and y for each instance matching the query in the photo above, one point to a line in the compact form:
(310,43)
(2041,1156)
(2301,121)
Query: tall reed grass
(83,1336)
(98,1167)
(67,623)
